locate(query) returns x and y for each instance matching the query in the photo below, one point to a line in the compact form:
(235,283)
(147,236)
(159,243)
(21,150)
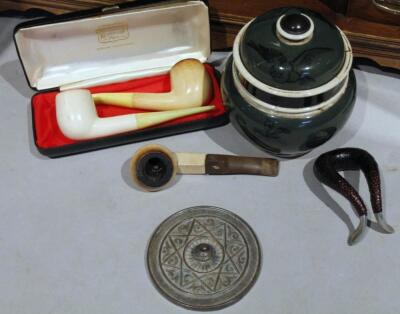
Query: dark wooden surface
(365,9)
(373,33)
(54,6)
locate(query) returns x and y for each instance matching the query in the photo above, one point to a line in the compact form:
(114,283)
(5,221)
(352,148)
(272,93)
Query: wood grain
(339,6)
(365,9)
(56,7)
(227,164)
(379,42)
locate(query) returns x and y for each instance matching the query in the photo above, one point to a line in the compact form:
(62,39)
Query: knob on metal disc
(204,258)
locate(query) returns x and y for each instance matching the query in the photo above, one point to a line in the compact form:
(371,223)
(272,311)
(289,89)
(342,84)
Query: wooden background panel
(339,6)
(55,6)
(377,41)
(228,16)
(365,9)
(373,33)
(253,8)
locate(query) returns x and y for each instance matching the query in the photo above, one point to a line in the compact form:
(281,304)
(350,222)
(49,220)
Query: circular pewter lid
(203,258)
(292,49)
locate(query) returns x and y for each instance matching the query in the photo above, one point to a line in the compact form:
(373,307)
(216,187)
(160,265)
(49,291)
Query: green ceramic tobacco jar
(289,83)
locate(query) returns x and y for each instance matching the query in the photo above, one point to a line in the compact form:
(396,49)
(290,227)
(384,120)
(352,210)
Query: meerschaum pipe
(77,117)
(190,87)
(153,166)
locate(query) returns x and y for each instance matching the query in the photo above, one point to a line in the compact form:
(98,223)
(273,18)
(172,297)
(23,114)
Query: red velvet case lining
(48,135)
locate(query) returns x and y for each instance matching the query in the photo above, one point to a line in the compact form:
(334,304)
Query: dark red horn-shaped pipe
(326,169)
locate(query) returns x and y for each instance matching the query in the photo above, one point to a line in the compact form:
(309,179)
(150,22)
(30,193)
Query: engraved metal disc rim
(246,279)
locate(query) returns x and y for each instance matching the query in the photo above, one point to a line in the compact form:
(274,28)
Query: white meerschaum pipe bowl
(77,117)
(191,86)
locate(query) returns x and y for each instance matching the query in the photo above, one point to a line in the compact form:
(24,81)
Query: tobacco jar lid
(292,49)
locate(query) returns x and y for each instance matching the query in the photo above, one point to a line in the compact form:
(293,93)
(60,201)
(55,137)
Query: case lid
(112,47)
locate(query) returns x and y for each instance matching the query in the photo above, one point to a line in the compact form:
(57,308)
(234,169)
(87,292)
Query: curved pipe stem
(145,101)
(380,219)
(191,86)
(358,234)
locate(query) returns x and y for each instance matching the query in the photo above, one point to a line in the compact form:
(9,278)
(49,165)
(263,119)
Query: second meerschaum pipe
(190,87)
(154,166)
(78,120)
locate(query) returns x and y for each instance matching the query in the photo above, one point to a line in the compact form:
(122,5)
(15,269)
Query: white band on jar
(268,108)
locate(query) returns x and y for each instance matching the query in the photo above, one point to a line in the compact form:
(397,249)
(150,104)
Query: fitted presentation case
(126,48)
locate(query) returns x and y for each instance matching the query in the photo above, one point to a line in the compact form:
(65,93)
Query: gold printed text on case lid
(112,32)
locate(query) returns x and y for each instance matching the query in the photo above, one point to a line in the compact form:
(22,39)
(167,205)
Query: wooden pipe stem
(191,163)
(227,164)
